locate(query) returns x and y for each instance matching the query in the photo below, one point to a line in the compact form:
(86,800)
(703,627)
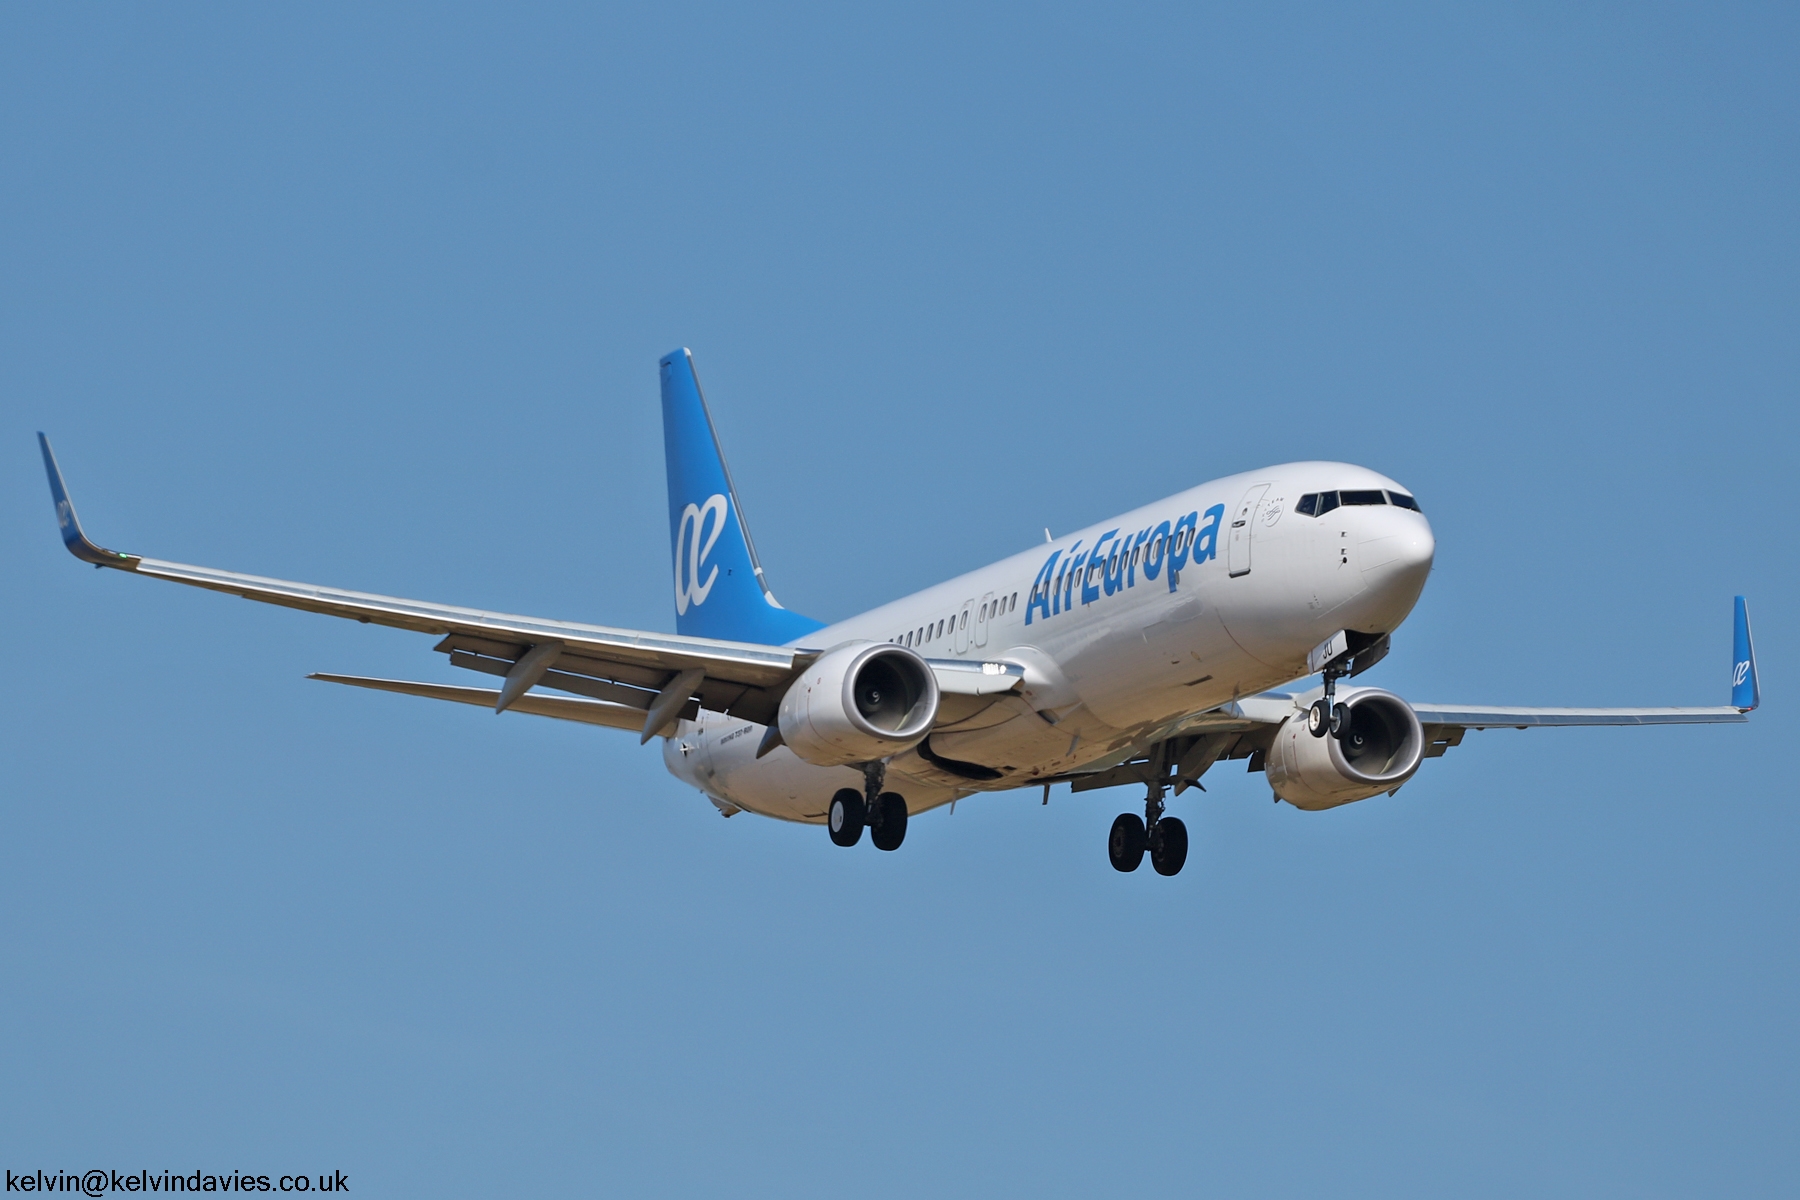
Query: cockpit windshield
(1317,504)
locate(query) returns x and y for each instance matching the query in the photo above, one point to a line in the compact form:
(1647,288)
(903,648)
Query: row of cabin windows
(1317,504)
(1111,564)
(937,629)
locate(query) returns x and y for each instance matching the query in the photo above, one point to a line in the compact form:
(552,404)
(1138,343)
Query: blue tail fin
(1745,694)
(719,586)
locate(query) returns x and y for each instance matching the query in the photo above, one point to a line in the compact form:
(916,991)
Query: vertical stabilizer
(719,587)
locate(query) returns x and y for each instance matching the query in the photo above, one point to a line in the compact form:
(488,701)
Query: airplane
(1139,651)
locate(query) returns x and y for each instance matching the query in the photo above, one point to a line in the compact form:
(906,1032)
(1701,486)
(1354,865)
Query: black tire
(845,817)
(1171,846)
(890,831)
(1340,720)
(1318,719)
(1125,844)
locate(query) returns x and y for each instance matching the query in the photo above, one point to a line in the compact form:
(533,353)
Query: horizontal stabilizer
(563,708)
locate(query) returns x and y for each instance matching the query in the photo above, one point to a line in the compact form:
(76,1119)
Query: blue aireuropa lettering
(1112,563)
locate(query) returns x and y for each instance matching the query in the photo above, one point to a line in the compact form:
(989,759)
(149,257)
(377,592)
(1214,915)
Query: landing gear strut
(1327,715)
(883,812)
(1165,838)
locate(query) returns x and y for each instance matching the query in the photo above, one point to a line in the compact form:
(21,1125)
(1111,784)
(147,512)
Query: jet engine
(1381,746)
(859,702)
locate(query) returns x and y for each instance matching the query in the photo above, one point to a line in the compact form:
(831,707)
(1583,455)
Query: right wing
(1445,724)
(1481,716)
(1245,728)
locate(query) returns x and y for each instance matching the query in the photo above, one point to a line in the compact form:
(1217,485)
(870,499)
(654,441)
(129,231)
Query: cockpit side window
(1402,500)
(1370,497)
(1307,504)
(1327,502)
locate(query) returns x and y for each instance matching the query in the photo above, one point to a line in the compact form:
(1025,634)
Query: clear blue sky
(374,297)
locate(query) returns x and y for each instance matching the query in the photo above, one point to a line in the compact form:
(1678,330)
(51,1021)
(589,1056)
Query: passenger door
(1243,522)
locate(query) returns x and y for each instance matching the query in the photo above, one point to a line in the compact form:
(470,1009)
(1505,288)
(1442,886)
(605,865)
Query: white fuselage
(1115,652)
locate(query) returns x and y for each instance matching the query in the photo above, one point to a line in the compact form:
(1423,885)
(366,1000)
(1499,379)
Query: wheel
(1125,844)
(1318,719)
(846,819)
(1170,849)
(1340,720)
(891,830)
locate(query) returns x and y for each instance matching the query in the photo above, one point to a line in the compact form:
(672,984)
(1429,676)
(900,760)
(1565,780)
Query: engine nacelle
(1380,751)
(859,702)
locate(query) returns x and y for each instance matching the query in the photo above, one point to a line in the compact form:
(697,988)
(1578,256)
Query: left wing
(631,679)
(566,708)
(660,676)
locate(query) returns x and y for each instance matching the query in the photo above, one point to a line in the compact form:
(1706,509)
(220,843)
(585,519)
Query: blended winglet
(72,536)
(1745,692)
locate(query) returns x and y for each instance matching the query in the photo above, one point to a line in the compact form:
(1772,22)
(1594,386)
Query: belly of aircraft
(717,755)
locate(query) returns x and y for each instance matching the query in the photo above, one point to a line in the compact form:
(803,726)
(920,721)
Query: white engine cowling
(1382,748)
(859,702)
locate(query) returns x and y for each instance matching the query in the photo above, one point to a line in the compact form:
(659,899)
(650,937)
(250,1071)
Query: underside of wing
(563,708)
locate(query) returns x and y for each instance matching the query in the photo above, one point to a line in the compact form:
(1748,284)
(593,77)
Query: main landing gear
(883,812)
(1166,838)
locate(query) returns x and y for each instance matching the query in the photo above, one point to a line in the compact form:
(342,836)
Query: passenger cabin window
(1366,498)
(1402,500)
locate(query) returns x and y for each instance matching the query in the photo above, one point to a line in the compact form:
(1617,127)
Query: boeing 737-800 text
(1138,651)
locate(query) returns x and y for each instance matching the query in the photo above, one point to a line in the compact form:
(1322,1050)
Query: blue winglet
(72,536)
(1745,694)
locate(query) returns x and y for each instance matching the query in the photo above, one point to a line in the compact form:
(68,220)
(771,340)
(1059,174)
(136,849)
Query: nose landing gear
(883,812)
(1326,715)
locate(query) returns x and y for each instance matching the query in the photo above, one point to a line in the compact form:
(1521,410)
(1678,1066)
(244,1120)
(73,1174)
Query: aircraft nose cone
(1396,558)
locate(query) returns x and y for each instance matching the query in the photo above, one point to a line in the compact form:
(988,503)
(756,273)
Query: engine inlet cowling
(859,702)
(1382,746)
